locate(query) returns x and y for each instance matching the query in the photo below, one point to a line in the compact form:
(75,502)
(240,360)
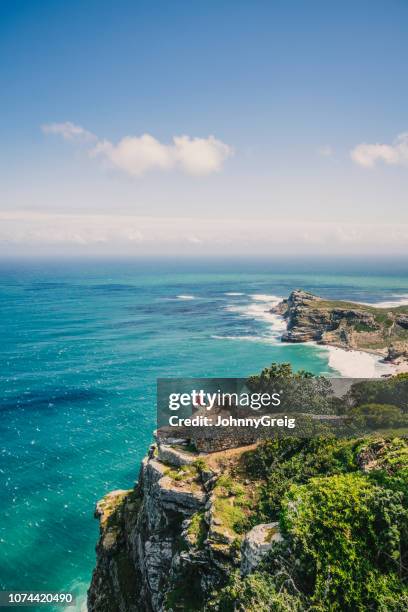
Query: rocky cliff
(169,542)
(345,324)
(257,529)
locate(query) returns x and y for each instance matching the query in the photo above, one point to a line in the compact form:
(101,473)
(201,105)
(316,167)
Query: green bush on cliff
(392,391)
(254,593)
(377,416)
(345,532)
(197,530)
(349,536)
(280,463)
(299,391)
(231,504)
(391,465)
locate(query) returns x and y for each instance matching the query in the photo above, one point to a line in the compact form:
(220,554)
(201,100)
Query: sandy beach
(361,364)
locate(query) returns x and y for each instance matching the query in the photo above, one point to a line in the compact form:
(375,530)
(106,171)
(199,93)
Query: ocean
(82,345)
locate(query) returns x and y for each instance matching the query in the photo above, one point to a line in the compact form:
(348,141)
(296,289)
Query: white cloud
(129,234)
(136,155)
(367,155)
(68,131)
(200,156)
(325,151)
(194,240)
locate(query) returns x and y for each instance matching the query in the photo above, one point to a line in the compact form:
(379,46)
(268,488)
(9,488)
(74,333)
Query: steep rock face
(155,540)
(345,324)
(257,543)
(115,581)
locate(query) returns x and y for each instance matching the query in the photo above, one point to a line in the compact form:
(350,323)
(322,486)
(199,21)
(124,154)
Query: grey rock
(257,543)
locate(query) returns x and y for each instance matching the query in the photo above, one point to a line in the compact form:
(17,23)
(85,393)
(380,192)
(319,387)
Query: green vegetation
(345,531)
(232,505)
(379,313)
(347,534)
(341,504)
(363,327)
(377,416)
(391,391)
(197,529)
(302,391)
(281,463)
(200,465)
(182,473)
(255,593)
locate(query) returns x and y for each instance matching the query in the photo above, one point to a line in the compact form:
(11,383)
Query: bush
(255,593)
(281,463)
(349,537)
(392,391)
(302,391)
(377,416)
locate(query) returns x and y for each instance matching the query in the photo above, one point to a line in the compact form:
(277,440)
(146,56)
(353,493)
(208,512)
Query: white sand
(358,364)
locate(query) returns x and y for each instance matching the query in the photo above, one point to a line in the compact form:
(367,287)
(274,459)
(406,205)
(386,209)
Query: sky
(204,128)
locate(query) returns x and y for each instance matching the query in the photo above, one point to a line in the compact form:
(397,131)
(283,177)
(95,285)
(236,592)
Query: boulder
(174,456)
(257,543)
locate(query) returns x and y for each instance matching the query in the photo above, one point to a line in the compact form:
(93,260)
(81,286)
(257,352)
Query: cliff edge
(258,528)
(170,541)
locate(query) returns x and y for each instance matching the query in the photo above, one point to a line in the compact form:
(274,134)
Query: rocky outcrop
(257,543)
(345,324)
(116,581)
(139,547)
(165,542)
(396,354)
(305,321)
(174,456)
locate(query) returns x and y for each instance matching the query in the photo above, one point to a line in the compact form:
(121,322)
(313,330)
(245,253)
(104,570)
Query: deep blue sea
(82,344)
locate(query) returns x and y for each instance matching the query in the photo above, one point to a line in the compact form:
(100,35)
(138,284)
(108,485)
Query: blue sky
(305,101)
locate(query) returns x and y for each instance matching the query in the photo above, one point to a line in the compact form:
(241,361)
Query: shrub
(254,593)
(377,416)
(282,463)
(349,536)
(392,391)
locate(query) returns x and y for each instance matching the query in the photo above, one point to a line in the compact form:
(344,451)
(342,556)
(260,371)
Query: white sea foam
(79,589)
(233,293)
(264,297)
(259,309)
(402,300)
(185,297)
(260,339)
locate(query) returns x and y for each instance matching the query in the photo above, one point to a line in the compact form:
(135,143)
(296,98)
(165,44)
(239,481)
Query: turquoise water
(82,346)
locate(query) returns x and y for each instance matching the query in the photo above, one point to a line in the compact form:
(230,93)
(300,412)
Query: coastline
(352,363)
(355,363)
(359,364)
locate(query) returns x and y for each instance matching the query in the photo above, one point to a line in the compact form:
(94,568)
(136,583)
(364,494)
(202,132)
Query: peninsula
(347,325)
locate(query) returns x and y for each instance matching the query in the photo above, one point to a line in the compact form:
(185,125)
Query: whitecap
(259,309)
(261,312)
(259,339)
(185,297)
(264,297)
(401,301)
